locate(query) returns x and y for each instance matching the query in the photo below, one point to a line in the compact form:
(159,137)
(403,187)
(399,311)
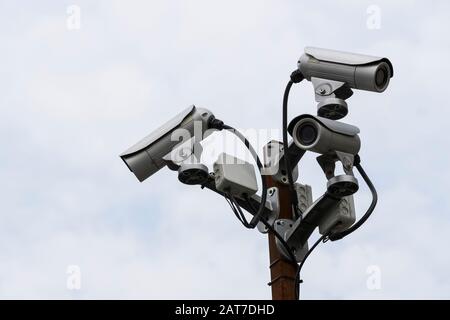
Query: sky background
(73,99)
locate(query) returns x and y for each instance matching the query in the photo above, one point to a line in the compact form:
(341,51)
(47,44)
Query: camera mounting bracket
(185,158)
(341,185)
(273,201)
(274,154)
(331,96)
(282,226)
(193,173)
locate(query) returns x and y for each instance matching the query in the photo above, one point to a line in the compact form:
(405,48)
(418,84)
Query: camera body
(358,71)
(324,136)
(147,156)
(333,74)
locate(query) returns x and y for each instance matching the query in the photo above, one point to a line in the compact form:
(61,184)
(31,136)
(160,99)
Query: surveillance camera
(356,70)
(146,157)
(323,135)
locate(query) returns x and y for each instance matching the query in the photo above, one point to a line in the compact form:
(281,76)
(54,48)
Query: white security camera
(356,70)
(334,74)
(147,156)
(324,136)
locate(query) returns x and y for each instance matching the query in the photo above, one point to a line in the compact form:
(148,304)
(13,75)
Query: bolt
(347,162)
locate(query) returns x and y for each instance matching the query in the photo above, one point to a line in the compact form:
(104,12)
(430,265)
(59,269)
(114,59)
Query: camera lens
(381,77)
(307,134)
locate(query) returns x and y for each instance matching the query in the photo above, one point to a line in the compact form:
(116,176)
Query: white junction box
(235,176)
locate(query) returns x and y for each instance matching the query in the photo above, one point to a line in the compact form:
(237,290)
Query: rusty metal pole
(282,271)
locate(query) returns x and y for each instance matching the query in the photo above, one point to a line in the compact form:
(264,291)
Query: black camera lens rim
(382,76)
(307,132)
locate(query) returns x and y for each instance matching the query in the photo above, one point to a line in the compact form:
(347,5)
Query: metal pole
(282,271)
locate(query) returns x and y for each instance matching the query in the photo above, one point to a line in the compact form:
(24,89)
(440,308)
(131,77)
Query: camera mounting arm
(331,96)
(341,185)
(297,233)
(274,157)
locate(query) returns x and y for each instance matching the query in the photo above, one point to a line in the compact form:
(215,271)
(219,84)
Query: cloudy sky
(75,95)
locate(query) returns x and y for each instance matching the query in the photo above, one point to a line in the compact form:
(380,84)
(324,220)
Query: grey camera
(323,135)
(147,156)
(356,70)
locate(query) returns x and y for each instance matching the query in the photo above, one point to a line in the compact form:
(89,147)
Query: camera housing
(147,156)
(324,136)
(334,74)
(358,71)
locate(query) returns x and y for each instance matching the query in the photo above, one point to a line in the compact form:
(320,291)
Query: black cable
(289,251)
(236,206)
(277,235)
(241,214)
(340,235)
(297,275)
(287,163)
(296,77)
(232,206)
